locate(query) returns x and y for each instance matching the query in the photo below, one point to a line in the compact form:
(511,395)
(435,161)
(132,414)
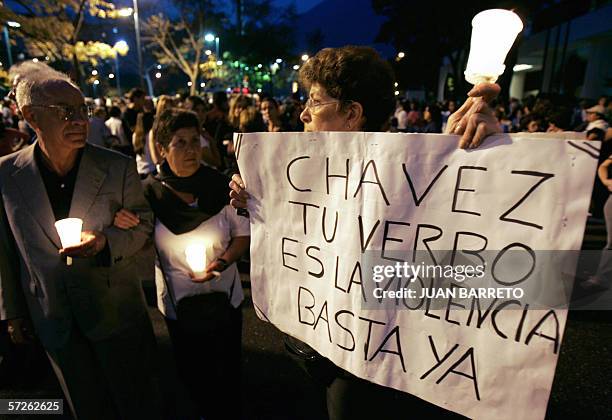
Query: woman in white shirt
(202,309)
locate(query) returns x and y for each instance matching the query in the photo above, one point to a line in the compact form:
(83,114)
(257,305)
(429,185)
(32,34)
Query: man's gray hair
(32,78)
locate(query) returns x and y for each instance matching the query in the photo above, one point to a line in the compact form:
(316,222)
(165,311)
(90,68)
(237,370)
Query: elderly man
(90,316)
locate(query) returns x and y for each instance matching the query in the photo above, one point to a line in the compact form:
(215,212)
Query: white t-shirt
(600,123)
(217,232)
(402,119)
(115,125)
(144,162)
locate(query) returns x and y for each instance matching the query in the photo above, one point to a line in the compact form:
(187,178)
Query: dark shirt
(129,117)
(59,189)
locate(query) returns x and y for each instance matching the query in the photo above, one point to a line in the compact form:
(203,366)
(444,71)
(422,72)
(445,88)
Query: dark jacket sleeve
(125,243)
(12,300)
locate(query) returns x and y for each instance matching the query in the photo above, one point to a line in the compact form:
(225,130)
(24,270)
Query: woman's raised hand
(475,120)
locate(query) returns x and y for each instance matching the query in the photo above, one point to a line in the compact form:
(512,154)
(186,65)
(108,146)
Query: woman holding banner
(352,89)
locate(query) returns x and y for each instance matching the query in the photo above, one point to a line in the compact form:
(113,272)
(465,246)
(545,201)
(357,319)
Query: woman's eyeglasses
(314,105)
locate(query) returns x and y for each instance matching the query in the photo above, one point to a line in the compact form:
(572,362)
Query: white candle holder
(195,254)
(69,231)
(493,33)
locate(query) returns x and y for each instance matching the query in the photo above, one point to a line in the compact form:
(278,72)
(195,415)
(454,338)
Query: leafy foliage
(52,27)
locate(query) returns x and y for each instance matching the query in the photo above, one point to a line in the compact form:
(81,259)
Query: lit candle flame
(493,33)
(69,231)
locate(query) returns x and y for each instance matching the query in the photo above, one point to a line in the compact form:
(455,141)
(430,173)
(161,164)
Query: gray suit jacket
(101,300)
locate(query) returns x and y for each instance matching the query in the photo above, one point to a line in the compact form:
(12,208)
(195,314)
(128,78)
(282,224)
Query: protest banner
(323,203)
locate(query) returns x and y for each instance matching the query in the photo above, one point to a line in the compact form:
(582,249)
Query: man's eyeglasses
(69,113)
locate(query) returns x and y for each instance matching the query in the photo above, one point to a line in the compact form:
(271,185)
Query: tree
(53,28)
(263,31)
(260,34)
(180,42)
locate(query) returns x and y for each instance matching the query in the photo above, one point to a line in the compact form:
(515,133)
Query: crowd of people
(545,113)
(169,187)
(125,123)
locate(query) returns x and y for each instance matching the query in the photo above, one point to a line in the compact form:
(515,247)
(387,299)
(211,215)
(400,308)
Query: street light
(296,67)
(209,37)
(305,57)
(128,11)
(7,40)
(94,72)
(279,60)
(208,52)
(138,46)
(120,47)
(147,77)
(401,55)
(125,12)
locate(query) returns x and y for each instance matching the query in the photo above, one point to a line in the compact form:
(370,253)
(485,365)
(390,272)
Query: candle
(196,258)
(69,231)
(493,33)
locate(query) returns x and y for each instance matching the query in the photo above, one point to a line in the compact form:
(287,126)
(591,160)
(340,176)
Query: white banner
(324,203)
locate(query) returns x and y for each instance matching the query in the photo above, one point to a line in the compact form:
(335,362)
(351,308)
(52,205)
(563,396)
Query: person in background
(433,119)
(532,123)
(144,162)
(292,108)
(98,130)
(504,121)
(136,99)
(250,121)
(164,102)
(451,107)
(115,125)
(271,115)
(602,279)
(11,140)
(202,310)
(216,123)
(237,105)
(7,113)
(401,115)
(197,105)
(414,116)
(215,120)
(595,116)
(210,152)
